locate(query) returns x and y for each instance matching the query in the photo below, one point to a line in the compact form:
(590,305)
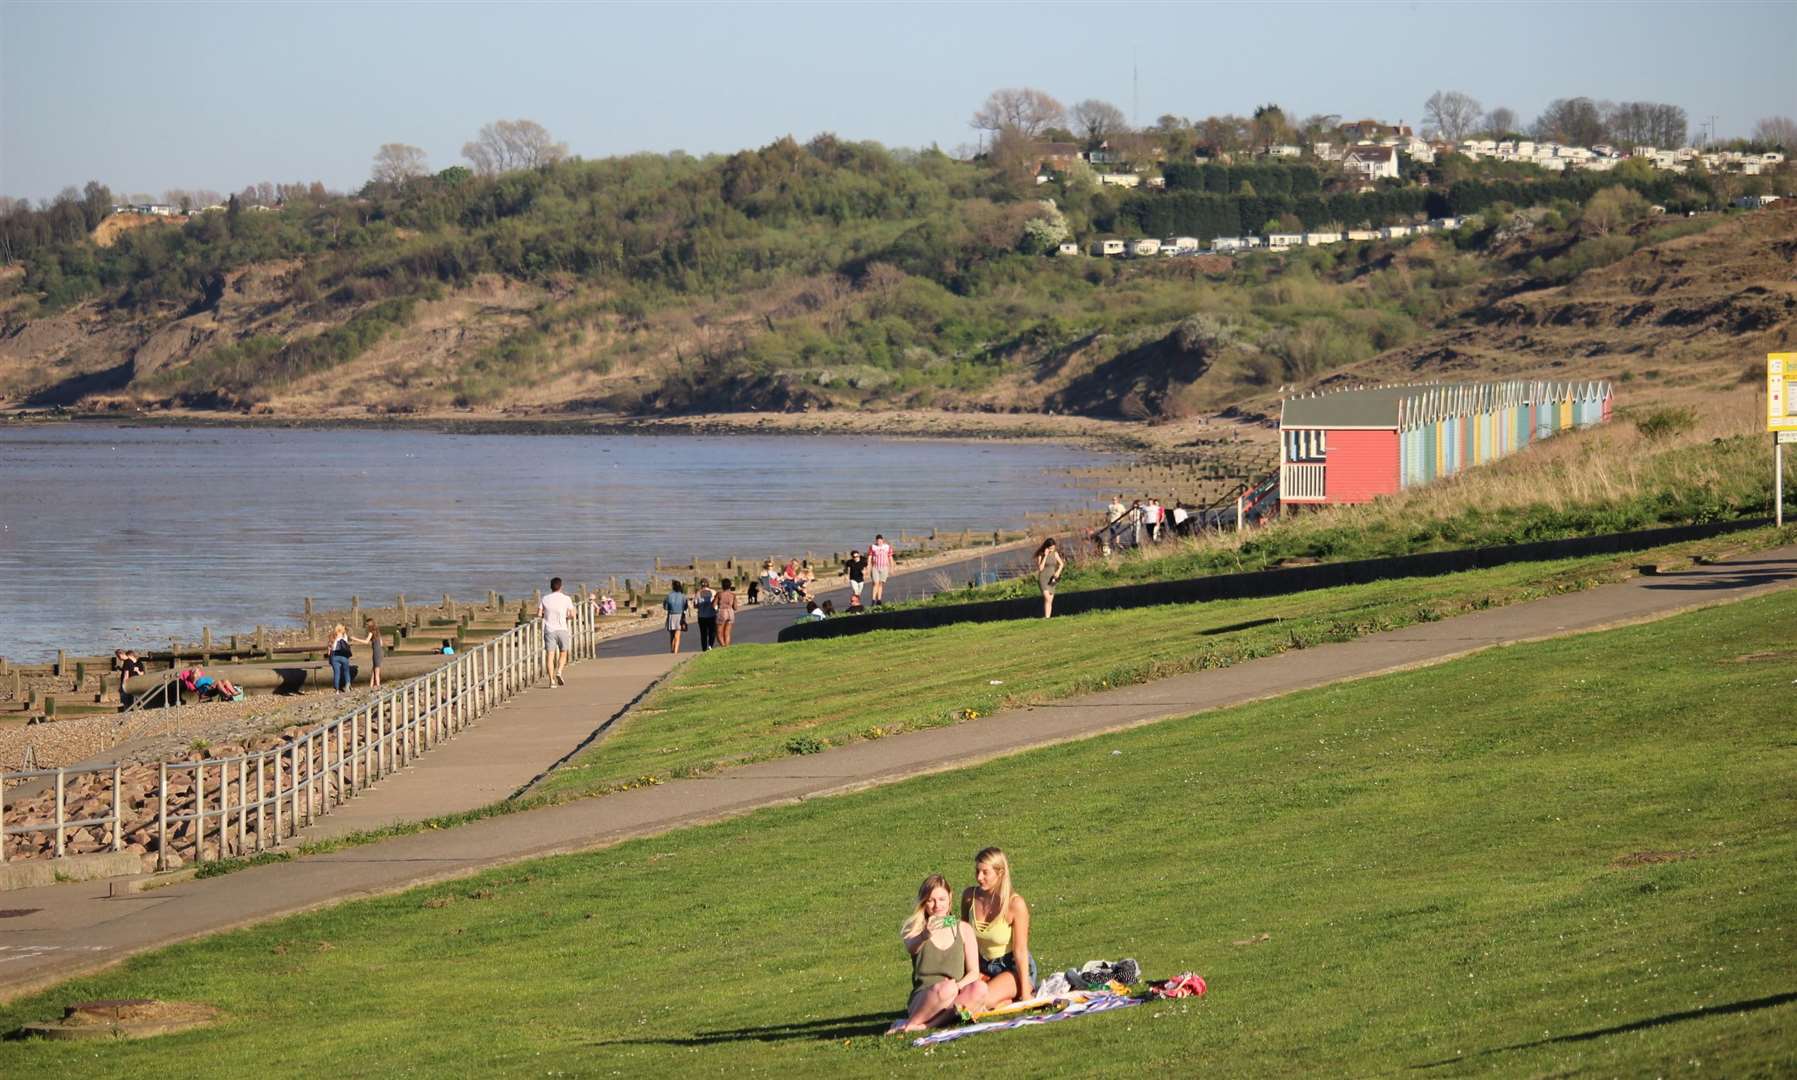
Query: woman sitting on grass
(1001,926)
(943,960)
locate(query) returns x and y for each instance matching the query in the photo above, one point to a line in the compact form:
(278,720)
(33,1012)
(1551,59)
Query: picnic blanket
(1095,1003)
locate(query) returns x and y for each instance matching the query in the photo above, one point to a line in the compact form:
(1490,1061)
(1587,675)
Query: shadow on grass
(839,1027)
(1768,1002)
(1233,627)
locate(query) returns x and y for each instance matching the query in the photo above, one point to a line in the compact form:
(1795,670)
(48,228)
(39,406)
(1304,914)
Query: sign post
(1781,420)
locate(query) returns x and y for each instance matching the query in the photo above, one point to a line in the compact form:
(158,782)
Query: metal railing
(253,801)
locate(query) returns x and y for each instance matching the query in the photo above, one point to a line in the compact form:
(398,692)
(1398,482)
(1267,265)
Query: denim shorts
(992,969)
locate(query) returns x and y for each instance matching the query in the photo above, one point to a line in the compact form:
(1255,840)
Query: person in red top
(879,566)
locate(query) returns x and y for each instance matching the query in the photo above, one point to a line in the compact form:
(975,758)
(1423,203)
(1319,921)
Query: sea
(121,536)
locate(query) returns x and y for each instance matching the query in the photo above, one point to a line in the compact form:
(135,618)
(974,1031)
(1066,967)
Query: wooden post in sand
(355,611)
(401,605)
(206,644)
(61,659)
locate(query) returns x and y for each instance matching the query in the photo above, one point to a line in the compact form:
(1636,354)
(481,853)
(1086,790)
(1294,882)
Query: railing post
(118,815)
(263,841)
(293,761)
(243,804)
(199,815)
(2,818)
(59,814)
(162,816)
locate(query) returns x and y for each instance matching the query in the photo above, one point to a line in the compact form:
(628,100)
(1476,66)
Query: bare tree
(1574,121)
(1023,110)
(505,145)
(1501,121)
(1777,131)
(1451,113)
(1098,120)
(395,163)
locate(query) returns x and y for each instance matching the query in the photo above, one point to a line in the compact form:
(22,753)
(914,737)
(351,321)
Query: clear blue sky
(150,96)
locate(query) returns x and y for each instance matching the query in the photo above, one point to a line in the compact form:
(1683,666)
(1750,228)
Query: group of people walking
(1140,522)
(714,609)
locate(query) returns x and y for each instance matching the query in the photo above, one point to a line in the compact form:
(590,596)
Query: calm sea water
(115,536)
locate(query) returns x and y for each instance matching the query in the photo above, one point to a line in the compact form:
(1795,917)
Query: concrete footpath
(52,933)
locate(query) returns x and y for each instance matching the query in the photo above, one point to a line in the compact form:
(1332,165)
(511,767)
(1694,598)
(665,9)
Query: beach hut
(1351,446)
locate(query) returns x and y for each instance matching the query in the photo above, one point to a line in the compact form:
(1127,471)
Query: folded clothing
(1096,973)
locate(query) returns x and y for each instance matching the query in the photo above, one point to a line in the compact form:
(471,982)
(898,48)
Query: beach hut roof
(1400,406)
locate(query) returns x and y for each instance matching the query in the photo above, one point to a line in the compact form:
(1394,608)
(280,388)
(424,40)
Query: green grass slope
(1564,858)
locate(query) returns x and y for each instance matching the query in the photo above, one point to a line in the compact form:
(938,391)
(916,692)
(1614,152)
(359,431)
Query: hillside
(839,276)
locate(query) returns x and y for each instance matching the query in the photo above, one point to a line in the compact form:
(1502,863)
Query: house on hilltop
(1372,162)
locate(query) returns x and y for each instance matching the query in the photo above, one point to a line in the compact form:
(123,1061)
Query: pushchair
(775,590)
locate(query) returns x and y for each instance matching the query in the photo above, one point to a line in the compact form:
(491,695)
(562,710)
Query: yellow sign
(1781,391)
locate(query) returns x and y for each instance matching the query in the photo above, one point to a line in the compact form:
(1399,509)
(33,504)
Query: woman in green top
(942,957)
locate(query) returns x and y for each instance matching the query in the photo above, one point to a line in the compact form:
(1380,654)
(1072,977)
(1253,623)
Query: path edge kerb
(1259,584)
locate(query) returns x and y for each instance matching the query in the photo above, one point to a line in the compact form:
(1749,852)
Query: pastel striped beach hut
(1351,446)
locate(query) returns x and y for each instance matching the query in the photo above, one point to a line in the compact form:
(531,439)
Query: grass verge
(754,703)
(1565,857)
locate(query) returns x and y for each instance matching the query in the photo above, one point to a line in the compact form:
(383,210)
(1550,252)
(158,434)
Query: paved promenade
(63,930)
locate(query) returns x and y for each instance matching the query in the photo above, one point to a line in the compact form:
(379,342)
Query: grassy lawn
(1567,857)
(753,703)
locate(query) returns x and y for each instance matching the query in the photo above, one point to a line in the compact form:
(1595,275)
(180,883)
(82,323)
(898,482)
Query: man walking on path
(855,569)
(879,566)
(558,640)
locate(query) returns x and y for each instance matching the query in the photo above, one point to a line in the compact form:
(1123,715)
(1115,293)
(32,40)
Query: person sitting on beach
(1001,926)
(790,580)
(448,648)
(944,958)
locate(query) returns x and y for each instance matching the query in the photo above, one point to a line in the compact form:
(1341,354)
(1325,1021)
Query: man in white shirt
(558,639)
(879,567)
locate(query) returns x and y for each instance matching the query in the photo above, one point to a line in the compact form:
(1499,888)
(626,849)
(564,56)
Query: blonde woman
(339,652)
(943,957)
(1049,566)
(1001,928)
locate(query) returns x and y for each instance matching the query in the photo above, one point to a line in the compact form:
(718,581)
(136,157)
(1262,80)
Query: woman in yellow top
(943,957)
(1001,927)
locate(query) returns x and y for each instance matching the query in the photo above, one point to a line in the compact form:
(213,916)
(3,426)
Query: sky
(151,96)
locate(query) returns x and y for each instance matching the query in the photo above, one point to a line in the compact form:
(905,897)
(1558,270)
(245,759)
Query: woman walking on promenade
(339,653)
(372,639)
(726,602)
(1001,927)
(675,605)
(706,602)
(1049,565)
